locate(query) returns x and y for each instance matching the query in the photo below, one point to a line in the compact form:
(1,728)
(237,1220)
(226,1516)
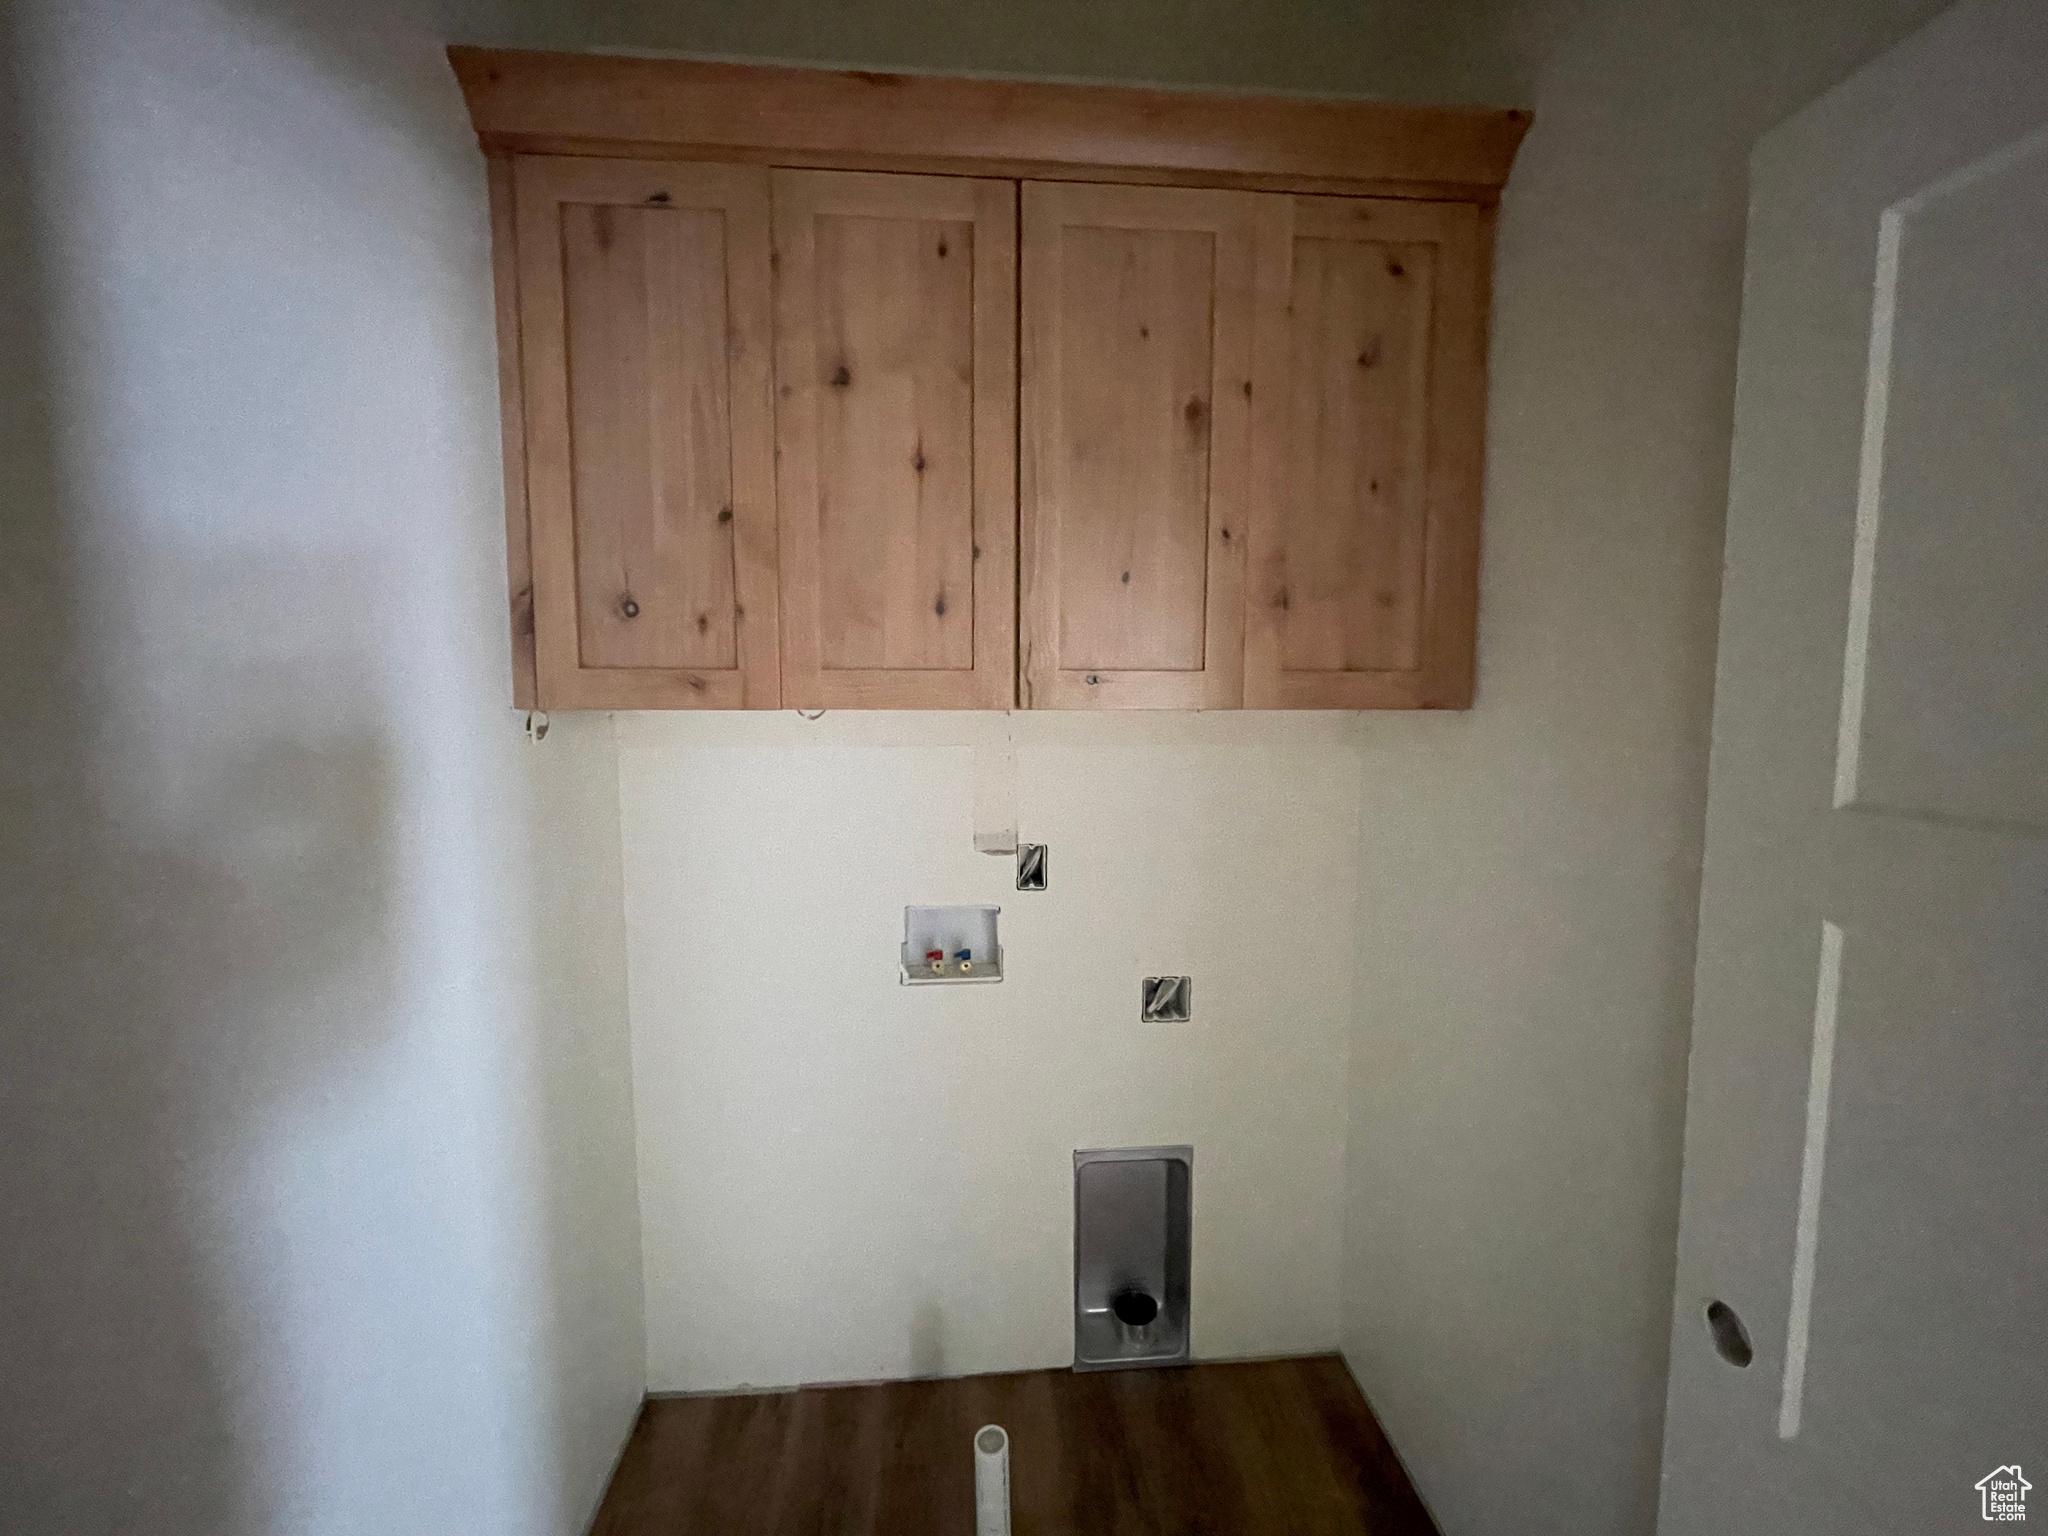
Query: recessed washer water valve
(950,944)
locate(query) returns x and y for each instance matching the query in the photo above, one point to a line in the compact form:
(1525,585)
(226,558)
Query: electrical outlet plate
(1166,999)
(1034,865)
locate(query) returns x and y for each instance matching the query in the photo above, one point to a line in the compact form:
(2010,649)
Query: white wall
(844,1178)
(1530,871)
(316,1191)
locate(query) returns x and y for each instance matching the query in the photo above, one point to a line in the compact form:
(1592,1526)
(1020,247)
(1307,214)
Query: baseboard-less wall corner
(1393,1446)
(611,1476)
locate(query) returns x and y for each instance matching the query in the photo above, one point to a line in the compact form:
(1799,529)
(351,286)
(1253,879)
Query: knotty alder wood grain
(650,421)
(1137,326)
(1267,1448)
(512,425)
(1068,440)
(895,303)
(644,310)
(1368,412)
(857,119)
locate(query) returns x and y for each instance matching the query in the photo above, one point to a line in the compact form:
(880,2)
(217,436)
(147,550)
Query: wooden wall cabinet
(828,390)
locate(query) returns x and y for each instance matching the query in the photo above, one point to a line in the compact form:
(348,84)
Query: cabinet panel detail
(895,313)
(1137,326)
(1368,410)
(644,310)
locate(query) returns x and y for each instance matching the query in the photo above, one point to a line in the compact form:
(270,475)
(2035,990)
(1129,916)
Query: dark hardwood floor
(1240,1449)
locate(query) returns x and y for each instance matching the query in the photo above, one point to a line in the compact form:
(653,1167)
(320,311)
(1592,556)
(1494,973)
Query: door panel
(1137,375)
(1869,1073)
(643,291)
(1367,410)
(1948,655)
(895,315)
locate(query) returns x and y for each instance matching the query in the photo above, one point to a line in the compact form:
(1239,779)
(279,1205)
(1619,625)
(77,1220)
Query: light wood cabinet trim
(512,426)
(989,209)
(998,169)
(542,187)
(1048,680)
(995,445)
(1454,430)
(1457,456)
(609,104)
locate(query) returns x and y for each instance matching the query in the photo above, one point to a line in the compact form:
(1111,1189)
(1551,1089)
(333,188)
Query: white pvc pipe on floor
(991,1481)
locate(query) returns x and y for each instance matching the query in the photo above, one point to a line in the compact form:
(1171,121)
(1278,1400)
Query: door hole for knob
(1731,1339)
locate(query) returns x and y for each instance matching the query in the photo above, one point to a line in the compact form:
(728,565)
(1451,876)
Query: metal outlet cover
(1133,1209)
(1034,866)
(1166,999)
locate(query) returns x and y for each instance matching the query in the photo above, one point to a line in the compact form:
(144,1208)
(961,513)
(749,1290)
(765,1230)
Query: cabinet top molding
(605,104)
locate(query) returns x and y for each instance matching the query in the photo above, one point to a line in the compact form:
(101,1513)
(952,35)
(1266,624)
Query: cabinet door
(644,336)
(1368,418)
(1137,326)
(895,422)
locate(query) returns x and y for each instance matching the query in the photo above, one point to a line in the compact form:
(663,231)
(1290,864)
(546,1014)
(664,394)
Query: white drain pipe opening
(991,1481)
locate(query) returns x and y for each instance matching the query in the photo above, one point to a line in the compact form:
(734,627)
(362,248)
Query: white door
(1866,1152)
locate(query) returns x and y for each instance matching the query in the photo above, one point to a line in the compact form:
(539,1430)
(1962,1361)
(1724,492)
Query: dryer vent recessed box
(1132,1227)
